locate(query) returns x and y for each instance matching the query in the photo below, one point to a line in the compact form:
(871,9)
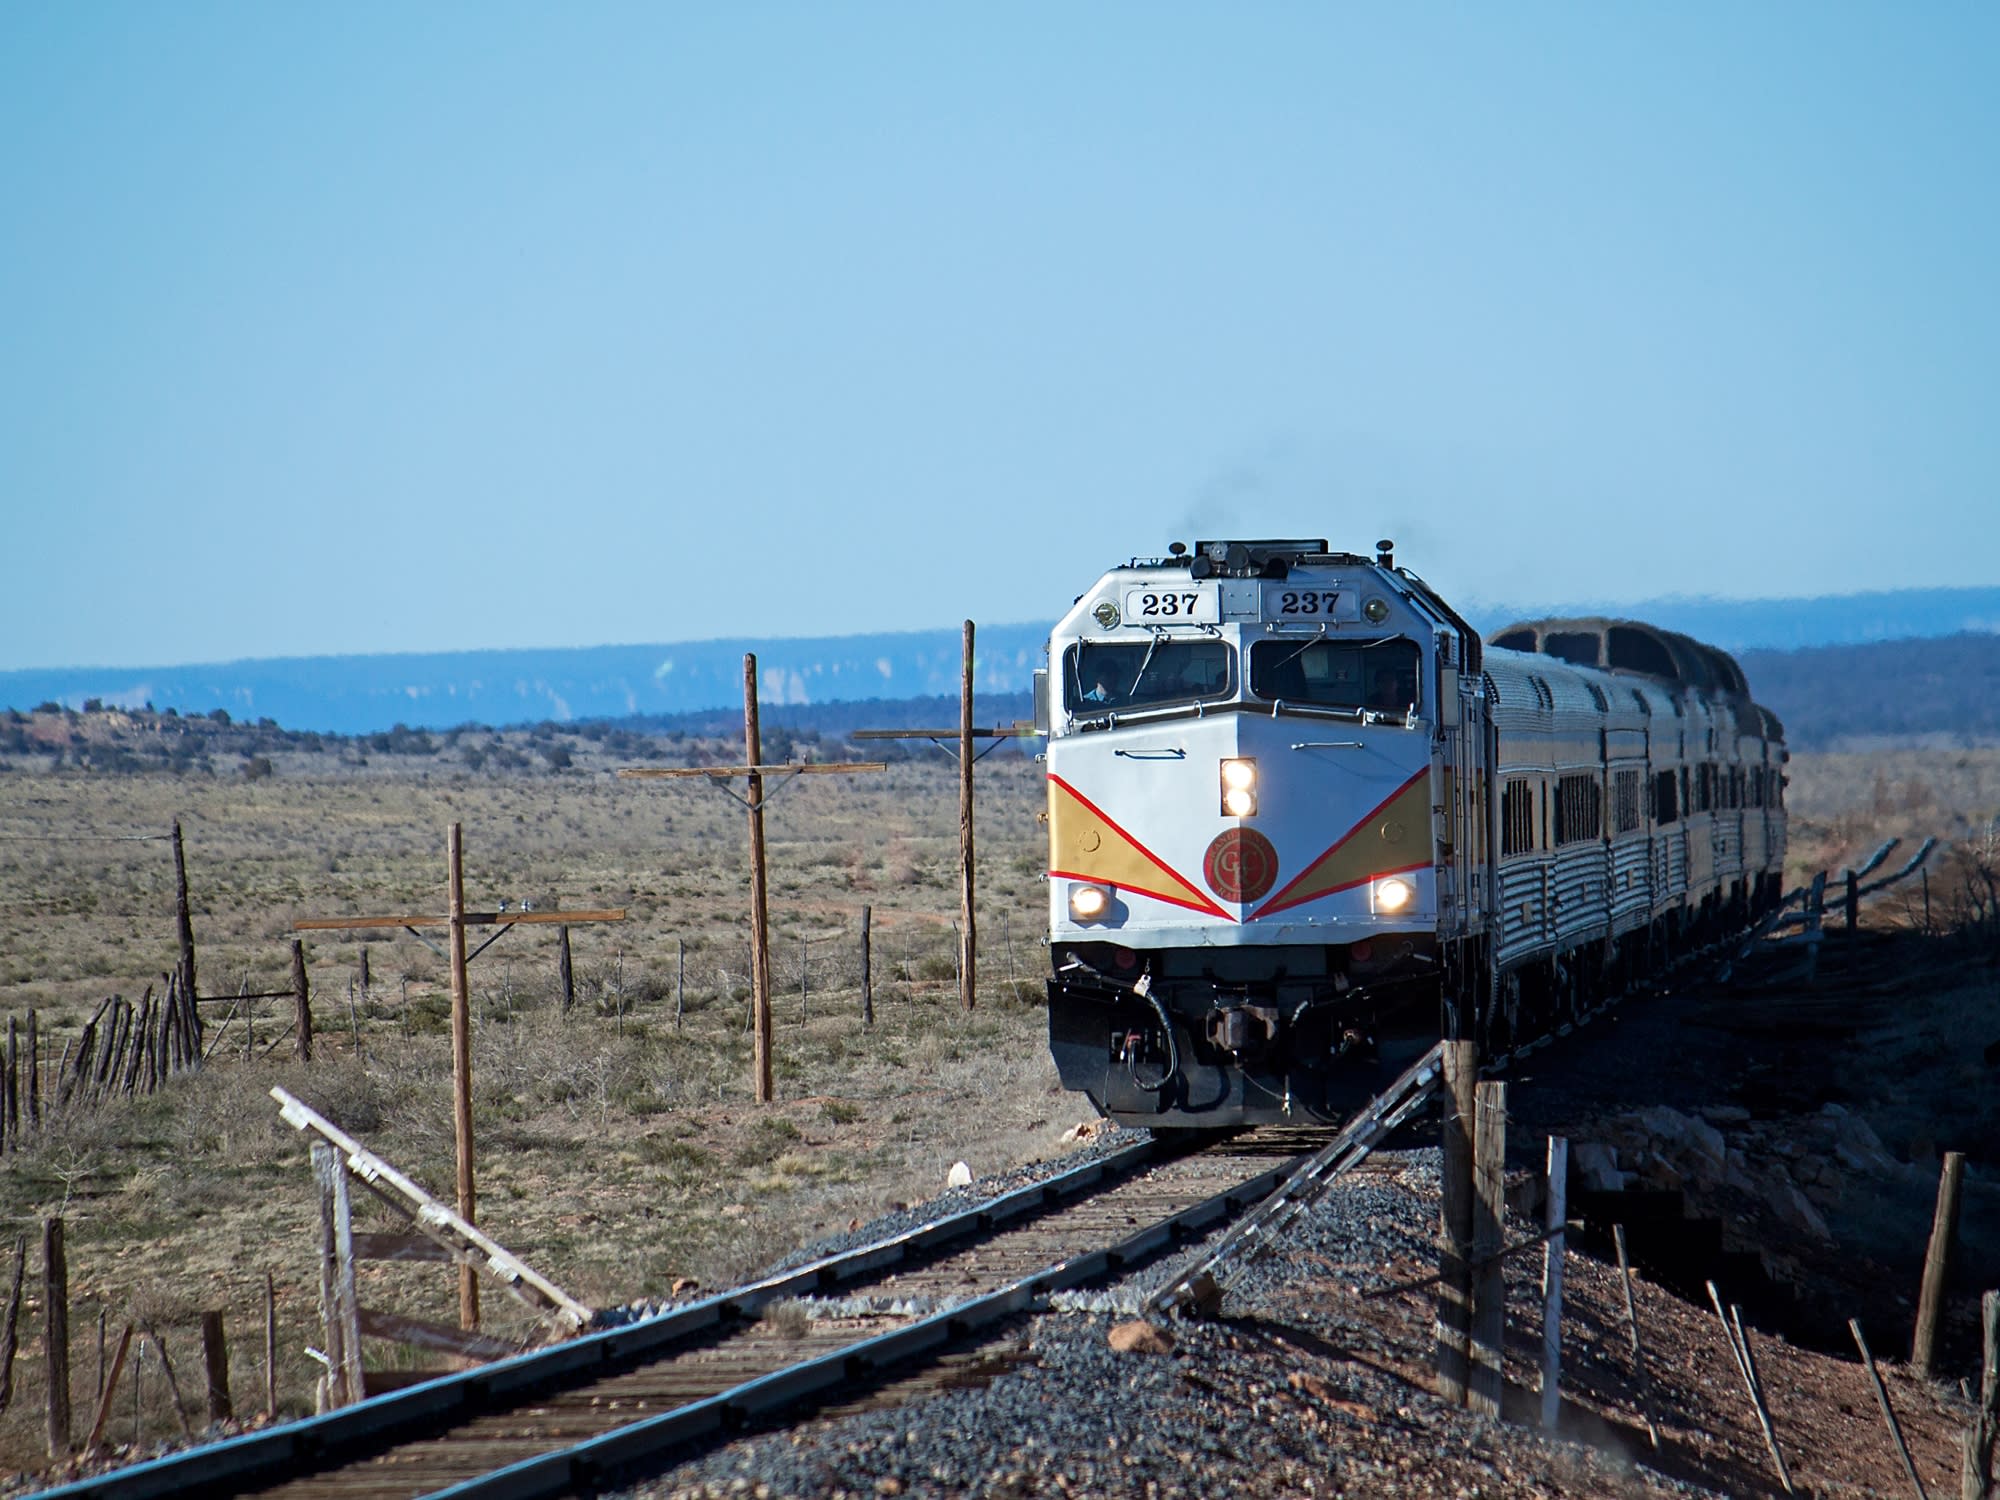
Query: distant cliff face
(364,694)
(368,694)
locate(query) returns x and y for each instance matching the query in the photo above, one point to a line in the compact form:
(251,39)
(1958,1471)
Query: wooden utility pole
(1937,1264)
(754,770)
(456,920)
(1454,1298)
(760,937)
(461,1061)
(959,743)
(968,967)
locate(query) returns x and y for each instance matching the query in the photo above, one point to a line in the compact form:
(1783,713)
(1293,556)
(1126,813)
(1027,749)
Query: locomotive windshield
(1114,676)
(1380,675)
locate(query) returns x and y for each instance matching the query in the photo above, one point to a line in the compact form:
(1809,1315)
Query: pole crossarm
(783,772)
(934,734)
(946,740)
(472,919)
(783,768)
(465,1243)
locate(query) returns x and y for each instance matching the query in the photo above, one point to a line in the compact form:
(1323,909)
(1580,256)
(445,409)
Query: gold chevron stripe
(1086,844)
(1392,839)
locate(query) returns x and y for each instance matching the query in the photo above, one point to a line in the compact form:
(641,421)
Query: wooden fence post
(302,998)
(9,1328)
(183,923)
(1937,1264)
(55,1335)
(867,971)
(362,977)
(680,980)
(109,1390)
(565,972)
(1454,1296)
(34,1069)
(1888,1411)
(270,1348)
(1632,1331)
(1976,1479)
(1552,1280)
(1489,1289)
(340,1311)
(215,1360)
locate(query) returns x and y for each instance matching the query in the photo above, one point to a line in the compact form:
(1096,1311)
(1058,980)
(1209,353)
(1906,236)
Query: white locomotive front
(1251,857)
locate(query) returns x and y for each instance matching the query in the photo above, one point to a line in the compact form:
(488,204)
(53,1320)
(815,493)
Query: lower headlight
(1392,893)
(1089,903)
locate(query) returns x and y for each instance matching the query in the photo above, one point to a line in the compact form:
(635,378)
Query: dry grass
(618,1151)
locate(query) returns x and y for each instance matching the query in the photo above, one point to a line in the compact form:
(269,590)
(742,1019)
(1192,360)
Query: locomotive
(1301,818)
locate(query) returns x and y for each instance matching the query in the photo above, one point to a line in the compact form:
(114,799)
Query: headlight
(1106,614)
(1375,611)
(1392,893)
(1239,788)
(1089,903)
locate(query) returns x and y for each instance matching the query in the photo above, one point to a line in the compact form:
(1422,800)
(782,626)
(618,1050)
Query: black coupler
(1110,1045)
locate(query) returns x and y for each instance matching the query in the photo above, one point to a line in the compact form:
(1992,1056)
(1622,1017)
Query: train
(1303,819)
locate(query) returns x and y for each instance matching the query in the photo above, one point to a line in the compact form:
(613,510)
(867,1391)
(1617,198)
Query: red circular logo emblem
(1240,865)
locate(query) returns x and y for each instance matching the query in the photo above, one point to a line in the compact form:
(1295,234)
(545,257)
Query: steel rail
(600,1460)
(288,1451)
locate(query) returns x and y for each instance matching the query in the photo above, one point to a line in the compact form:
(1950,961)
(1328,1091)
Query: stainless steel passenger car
(1298,810)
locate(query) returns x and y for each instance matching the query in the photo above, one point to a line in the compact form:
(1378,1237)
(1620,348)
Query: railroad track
(574,1417)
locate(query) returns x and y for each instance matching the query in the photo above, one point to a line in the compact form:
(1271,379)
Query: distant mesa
(440,690)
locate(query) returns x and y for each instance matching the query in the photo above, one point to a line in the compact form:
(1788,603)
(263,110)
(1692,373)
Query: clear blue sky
(374,327)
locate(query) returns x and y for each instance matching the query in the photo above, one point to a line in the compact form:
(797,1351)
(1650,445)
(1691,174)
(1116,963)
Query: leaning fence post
(55,1334)
(1937,1261)
(108,1391)
(1888,1412)
(1632,1330)
(1746,1366)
